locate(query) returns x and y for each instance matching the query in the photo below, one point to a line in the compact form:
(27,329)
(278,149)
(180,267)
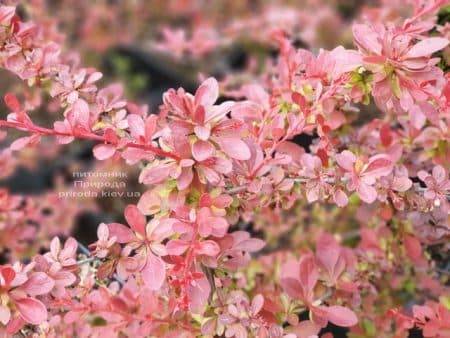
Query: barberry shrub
(243,230)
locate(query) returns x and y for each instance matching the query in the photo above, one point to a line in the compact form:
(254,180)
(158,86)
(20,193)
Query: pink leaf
(340,315)
(149,203)
(198,294)
(136,125)
(122,233)
(103,151)
(32,310)
(176,247)
(234,148)
(208,248)
(367,193)
(250,245)
(135,219)
(38,284)
(201,150)
(379,165)
(80,111)
(346,159)
(367,38)
(207,93)
(202,132)
(154,272)
(308,273)
(292,287)
(340,198)
(257,304)
(427,47)
(20,143)
(155,174)
(401,184)
(185,178)
(5,314)
(219,226)
(439,173)
(328,254)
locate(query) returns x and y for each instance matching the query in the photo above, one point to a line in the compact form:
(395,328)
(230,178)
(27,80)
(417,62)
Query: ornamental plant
(243,229)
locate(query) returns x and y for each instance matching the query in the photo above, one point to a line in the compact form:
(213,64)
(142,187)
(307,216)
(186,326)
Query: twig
(83,249)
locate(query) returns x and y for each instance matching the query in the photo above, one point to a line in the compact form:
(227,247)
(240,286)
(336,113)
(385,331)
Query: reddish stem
(85,135)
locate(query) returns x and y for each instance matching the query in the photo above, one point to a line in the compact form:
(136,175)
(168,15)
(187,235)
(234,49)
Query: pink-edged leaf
(340,315)
(20,143)
(257,304)
(328,254)
(219,226)
(80,114)
(346,159)
(31,310)
(439,173)
(222,165)
(149,203)
(154,272)
(176,247)
(208,248)
(103,232)
(185,178)
(367,193)
(199,115)
(63,127)
(250,245)
(340,198)
(235,148)
(202,132)
(308,273)
(135,219)
(292,287)
(305,329)
(103,151)
(38,284)
(401,184)
(64,278)
(70,248)
(155,174)
(427,47)
(378,165)
(94,77)
(201,150)
(134,155)
(198,294)
(150,126)
(55,246)
(136,126)
(367,38)
(207,93)
(122,233)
